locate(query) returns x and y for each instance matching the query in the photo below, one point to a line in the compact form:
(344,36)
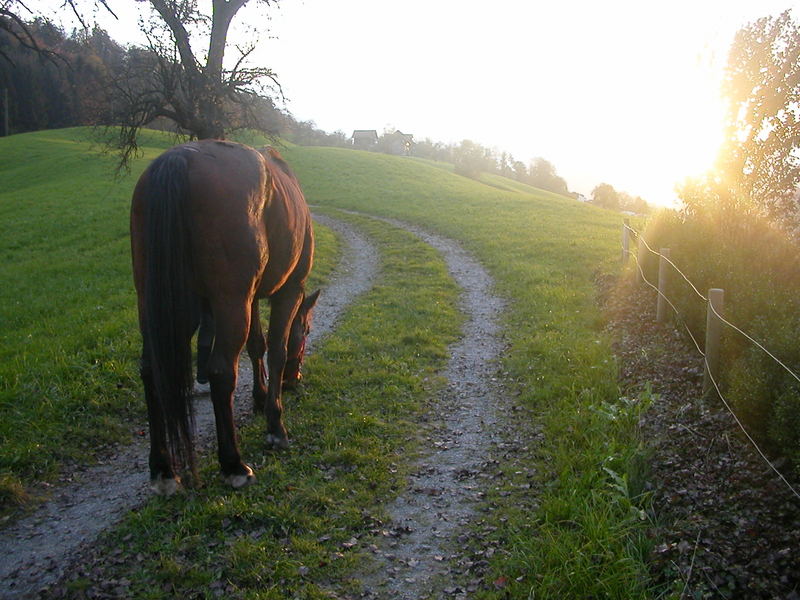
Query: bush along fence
(716,324)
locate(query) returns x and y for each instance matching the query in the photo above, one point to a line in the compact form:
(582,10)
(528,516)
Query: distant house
(399,143)
(581,197)
(364,139)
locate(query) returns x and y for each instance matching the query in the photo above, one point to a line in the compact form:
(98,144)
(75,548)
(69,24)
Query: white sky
(624,91)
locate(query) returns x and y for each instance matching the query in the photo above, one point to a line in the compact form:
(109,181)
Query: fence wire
(754,341)
(714,310)
(674,309)
(703,354)
(674,266)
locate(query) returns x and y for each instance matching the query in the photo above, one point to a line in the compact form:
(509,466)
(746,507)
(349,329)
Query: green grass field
(69,383)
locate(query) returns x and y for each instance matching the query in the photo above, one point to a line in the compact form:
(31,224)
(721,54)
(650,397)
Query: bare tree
(173,80)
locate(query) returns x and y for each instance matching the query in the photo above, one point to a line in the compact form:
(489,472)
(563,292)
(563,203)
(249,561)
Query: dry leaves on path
(726,526)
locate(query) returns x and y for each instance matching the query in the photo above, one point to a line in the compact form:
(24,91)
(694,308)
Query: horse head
(296,344)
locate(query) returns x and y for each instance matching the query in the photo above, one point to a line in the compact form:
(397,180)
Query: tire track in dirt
(40,548)
(414,554)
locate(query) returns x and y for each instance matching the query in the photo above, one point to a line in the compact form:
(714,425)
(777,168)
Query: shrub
(758,266)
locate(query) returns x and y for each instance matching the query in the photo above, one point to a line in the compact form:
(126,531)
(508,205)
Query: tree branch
(170,17)
(18,29)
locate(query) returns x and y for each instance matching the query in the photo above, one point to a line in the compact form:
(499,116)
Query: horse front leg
(256,347)
(283,307)
(232,323)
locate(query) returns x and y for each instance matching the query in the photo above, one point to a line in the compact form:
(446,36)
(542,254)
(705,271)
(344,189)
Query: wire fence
(711,373)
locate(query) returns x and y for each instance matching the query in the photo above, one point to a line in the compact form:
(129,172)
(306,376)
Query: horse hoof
(165,486)
(276,442)
(240,481)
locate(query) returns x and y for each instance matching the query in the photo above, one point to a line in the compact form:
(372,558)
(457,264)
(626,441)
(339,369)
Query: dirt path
(38,550)
(415,556)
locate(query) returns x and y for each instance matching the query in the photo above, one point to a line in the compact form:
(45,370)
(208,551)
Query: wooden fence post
(663,281)
(626,241)
(716,298)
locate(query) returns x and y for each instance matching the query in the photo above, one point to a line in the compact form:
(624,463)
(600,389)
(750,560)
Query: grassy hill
(545,252)
(69,385)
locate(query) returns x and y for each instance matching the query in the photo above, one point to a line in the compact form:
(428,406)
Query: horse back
(248,219)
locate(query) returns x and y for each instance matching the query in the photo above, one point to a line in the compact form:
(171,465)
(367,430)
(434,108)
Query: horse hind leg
(232,323)
(163,479)
(205,341)
(256,348)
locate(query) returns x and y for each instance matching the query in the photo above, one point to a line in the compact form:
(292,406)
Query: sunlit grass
(68,376)
(544,252)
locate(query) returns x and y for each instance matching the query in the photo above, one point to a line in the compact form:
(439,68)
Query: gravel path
(38,549)
(414,554)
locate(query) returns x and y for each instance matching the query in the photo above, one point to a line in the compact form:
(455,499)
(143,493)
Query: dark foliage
(716,249)
(59,84)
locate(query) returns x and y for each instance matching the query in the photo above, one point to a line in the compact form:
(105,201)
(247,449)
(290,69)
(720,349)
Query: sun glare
(691,126)
(683,142)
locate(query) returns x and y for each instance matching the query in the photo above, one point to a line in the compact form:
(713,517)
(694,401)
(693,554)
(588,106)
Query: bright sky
(624,92)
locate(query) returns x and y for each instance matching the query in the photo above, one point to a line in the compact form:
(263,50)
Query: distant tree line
(471,159)
(60,89)
(74,80)
(606,196)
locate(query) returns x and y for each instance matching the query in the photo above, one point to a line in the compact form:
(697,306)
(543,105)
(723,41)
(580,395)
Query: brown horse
(215,226)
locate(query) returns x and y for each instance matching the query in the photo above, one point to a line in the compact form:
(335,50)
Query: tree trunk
(222,14)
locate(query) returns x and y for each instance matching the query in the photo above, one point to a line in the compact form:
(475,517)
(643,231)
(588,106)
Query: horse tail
(170,304)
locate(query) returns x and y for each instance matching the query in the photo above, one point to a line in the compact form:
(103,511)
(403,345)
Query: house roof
(408,136)
(364,132)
